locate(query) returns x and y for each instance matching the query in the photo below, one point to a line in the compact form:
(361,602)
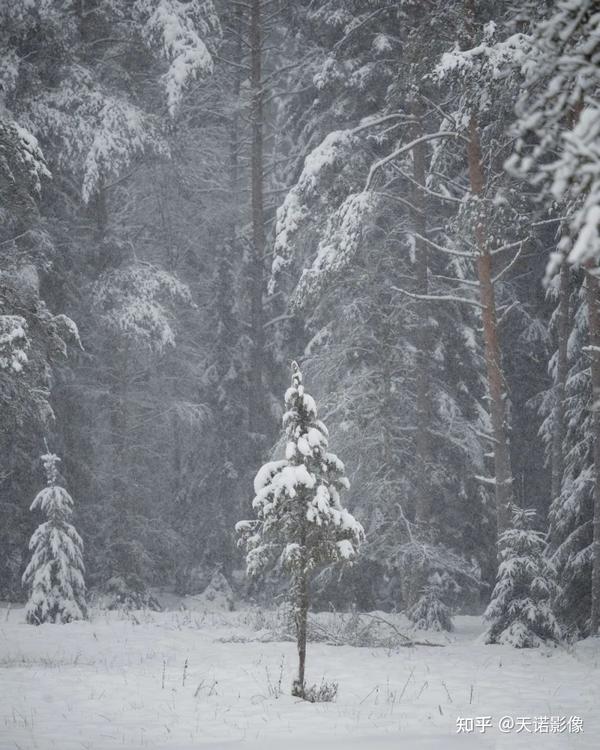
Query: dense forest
(402,196)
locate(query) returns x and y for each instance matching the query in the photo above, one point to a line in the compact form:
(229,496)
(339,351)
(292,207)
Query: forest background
(404,196)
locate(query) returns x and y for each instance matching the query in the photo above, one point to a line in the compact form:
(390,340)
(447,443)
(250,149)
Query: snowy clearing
(120,681)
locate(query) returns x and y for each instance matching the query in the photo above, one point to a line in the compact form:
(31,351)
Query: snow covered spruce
(301,523)
(430,611)
(520,611)
(55,572)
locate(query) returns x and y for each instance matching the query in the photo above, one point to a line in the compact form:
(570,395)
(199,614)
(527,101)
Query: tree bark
(593,304)
(495,376)
(301,618)
(423,357)
(258,219)
(558,425)
(234,140)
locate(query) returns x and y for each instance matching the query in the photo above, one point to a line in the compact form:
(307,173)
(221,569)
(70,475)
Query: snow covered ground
(121,681)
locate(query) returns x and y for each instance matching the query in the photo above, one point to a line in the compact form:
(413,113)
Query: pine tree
(558,127)
(350,200)
(570,517)
(301,523)
(520,612)
(431,612)
(558,122)
(55,572)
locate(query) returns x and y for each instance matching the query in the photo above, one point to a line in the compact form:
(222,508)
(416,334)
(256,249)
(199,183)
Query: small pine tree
(430,611)
(55,572)
(301,523)
(520,611)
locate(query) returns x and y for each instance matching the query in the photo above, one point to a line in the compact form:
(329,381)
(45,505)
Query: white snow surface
(98,685)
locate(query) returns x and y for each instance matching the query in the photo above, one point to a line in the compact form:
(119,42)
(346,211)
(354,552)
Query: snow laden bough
(520,611)
(301,524)
(55,572)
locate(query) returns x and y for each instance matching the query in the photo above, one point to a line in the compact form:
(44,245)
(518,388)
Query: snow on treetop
(52,500)
(55,572)
(296,398)
(298,493)
(50,460)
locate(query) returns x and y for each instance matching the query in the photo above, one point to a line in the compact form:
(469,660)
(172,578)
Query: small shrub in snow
(431,612)
(129,592)
(326,692)
(520,612)
(218,593)
(301,523)
(55,572)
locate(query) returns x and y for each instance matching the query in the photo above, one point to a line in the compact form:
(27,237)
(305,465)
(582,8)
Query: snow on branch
(339,244)
(135,302)
(181,31)
(402,150)
(295,210)
(558,126)
(439,297)
(444,249)
(344,224)
(13,342)
(98,134)
(494,59)
(301,524)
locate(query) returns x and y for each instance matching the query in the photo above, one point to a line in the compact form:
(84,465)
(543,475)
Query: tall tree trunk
(301,619)
(417,576)
(562,361)
(300,603)
(423,357)
(593,304)
(258,220)
(495,376)
(234,135)
(558,425)
(226,303)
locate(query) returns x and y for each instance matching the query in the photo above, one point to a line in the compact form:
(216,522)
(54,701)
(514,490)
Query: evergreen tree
(558,128)
(431,612)
(571,513)
(520,611)
(55,572)
(89,93)
(301,523)
(558,121)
